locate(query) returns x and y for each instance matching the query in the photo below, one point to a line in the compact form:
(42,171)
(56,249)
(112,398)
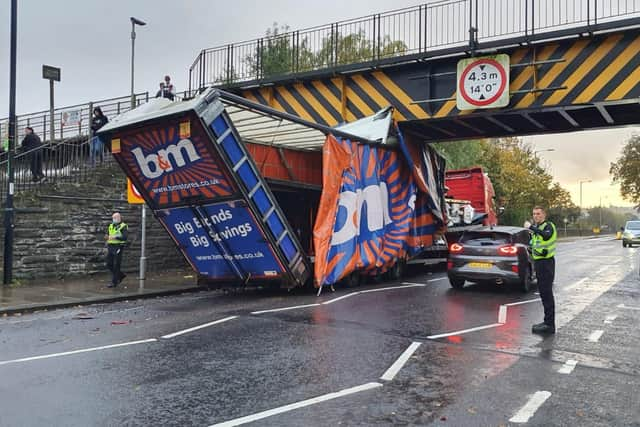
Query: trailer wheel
(397,271)
(352,280)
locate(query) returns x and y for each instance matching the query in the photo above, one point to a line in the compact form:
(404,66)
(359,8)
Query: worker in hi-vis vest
(543,250)
(116,239)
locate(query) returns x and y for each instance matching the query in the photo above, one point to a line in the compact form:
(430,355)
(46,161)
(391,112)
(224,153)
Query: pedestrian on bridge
(97,150)
(543,246)
(116,240)
(32,144)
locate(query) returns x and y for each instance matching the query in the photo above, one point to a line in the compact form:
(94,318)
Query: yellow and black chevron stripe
(592,69)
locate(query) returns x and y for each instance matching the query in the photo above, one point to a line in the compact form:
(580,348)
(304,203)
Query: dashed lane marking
(595,335)
(399,363)
(568,367)
(297,405)
(85,350)
(464,331)
(529,301)
(195,328)
(530,408)
(609,319)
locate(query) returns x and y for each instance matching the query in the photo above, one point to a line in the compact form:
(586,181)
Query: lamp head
(136,21)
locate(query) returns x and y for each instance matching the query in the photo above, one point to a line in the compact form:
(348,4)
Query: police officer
(116,239)
(543,246)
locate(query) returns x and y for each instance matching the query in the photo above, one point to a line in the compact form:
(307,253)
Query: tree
(277,54)
(626,170)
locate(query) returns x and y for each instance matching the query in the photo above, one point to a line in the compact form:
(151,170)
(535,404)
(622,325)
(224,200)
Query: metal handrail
(40,121)
(397,34)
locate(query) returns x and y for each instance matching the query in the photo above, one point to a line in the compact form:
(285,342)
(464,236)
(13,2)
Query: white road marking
(502,314)
(399,363)
(527,411)
(610,318)
(529,301)
(568,367)
(273,310)
(626,307)
(464,331)
(606,267)
(331,301)
(436,280)
(195,328)
(85,350)
(595,335)
(297,405)
(391,288)
(576,284)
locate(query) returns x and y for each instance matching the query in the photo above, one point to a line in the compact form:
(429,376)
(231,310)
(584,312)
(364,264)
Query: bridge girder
(584,82)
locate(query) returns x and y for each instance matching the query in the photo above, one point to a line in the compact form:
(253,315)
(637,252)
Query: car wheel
(624,245)
(456,282)
(525,283)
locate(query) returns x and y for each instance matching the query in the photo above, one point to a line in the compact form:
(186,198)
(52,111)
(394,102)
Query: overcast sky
(90,41)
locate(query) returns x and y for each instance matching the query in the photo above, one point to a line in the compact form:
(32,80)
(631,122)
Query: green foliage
(278,55)
(626,170)
(461,154)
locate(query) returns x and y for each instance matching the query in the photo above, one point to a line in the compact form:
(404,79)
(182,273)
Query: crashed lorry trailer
(255,196)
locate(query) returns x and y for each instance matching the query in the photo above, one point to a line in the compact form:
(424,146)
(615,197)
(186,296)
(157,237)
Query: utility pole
(8,210)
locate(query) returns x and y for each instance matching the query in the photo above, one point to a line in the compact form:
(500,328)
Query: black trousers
(546,271)
(114,261)
(36,165)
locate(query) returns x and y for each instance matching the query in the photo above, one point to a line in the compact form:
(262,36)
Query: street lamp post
(582,182)
(143,239)
(8,210)
(134,22)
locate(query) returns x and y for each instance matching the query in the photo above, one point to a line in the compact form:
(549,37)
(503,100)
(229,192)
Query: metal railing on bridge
(402,34)
(68,157)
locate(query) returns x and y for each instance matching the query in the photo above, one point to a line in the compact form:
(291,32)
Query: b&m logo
(165,160)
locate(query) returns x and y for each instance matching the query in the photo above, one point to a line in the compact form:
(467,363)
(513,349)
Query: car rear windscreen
(485,238)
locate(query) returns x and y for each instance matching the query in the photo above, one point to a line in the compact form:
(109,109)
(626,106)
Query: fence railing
(64,162)
(66,158)
(430,27)
(80,114)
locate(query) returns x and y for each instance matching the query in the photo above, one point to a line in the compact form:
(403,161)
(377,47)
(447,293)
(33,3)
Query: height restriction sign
(483,82)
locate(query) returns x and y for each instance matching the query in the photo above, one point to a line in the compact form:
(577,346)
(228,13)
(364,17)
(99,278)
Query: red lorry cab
(475,186)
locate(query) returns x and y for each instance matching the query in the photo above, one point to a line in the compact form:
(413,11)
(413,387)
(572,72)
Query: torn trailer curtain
(372,212)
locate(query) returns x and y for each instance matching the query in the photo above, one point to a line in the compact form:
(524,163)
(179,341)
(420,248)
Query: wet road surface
(413,352)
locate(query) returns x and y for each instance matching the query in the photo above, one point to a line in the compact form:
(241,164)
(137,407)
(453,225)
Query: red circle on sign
(503,78)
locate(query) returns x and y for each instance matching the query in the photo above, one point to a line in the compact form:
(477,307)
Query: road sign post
(52,74)
(483,82)
(134,197)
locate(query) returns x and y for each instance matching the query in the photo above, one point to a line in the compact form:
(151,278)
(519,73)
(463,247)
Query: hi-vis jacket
(118,234)
(543,242)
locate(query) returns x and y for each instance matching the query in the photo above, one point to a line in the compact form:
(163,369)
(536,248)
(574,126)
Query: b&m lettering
(375,198)
(164,160)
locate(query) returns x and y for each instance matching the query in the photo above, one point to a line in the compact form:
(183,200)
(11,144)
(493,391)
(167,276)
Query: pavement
(52,293)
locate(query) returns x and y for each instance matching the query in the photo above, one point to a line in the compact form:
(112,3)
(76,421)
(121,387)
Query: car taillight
(455,248)
(507,250)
